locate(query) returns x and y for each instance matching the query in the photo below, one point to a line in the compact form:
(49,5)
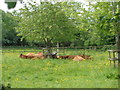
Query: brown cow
(63,57)
(67,57)
(75,57)
(78,58)
(86,56)
(26,56)
(23,56)
(32,56)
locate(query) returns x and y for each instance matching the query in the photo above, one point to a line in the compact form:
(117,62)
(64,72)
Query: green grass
(59,73)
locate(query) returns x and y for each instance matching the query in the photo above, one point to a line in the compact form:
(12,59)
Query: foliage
(69,23)
(46,23)
(9,35)
(8,32)
(104,22)
(98,20)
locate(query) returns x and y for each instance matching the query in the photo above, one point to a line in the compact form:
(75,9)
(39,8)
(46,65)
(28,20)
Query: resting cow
(78,58)
(86,56)
(75,57)
(63,57)
(26,56)
(32,56)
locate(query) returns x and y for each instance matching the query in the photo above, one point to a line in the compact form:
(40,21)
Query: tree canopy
(69,22)
(47,22)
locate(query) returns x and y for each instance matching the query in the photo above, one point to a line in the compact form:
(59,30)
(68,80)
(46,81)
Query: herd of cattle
(42,56)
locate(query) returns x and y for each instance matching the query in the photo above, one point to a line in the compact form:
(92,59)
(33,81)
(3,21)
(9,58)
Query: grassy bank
(59,73)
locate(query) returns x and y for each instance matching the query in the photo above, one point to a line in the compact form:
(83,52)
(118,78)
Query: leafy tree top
(47,22)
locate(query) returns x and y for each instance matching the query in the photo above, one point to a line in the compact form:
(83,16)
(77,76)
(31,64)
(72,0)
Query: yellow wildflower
(17,79)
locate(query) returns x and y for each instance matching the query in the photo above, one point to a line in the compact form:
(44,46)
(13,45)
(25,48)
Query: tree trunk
(48,48)
(118,31)
(118,46)
(49,52)
(116,6)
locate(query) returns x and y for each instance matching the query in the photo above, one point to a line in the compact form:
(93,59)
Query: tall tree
(116,13)
(104,18)
(8,29)
(46,22)
(112,18)
(96,21)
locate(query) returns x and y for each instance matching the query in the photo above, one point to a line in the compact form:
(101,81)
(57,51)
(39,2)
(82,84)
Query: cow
(75,57)
(63,57)
(32,56)
(86,56)
(26,56)
(67,57)
(78,58)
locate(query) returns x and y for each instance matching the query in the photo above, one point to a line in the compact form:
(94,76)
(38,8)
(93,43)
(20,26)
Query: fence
(113,56)
(13,49)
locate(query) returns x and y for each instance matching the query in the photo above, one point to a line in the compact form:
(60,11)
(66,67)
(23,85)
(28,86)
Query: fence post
(57,48)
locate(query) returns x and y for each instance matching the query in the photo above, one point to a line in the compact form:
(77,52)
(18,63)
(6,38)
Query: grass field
(59,73)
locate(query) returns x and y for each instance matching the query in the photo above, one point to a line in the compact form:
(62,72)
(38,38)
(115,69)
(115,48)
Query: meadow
(58,73)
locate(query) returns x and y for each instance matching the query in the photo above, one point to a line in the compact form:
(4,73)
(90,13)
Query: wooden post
(109,57)
(43,50)
(114,58)
(57,48)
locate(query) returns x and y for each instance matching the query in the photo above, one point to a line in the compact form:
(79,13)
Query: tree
(9,35)
(94,24)
(113,17)
(8,31)
(46,23)
(116,13)
(104,18)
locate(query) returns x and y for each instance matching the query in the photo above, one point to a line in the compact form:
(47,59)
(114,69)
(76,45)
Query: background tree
(103,19)
(110,22)
(9,35)
(8,31)
(96,21)
(91,19)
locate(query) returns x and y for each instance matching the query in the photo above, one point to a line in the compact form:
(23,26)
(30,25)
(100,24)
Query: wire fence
(13,49)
